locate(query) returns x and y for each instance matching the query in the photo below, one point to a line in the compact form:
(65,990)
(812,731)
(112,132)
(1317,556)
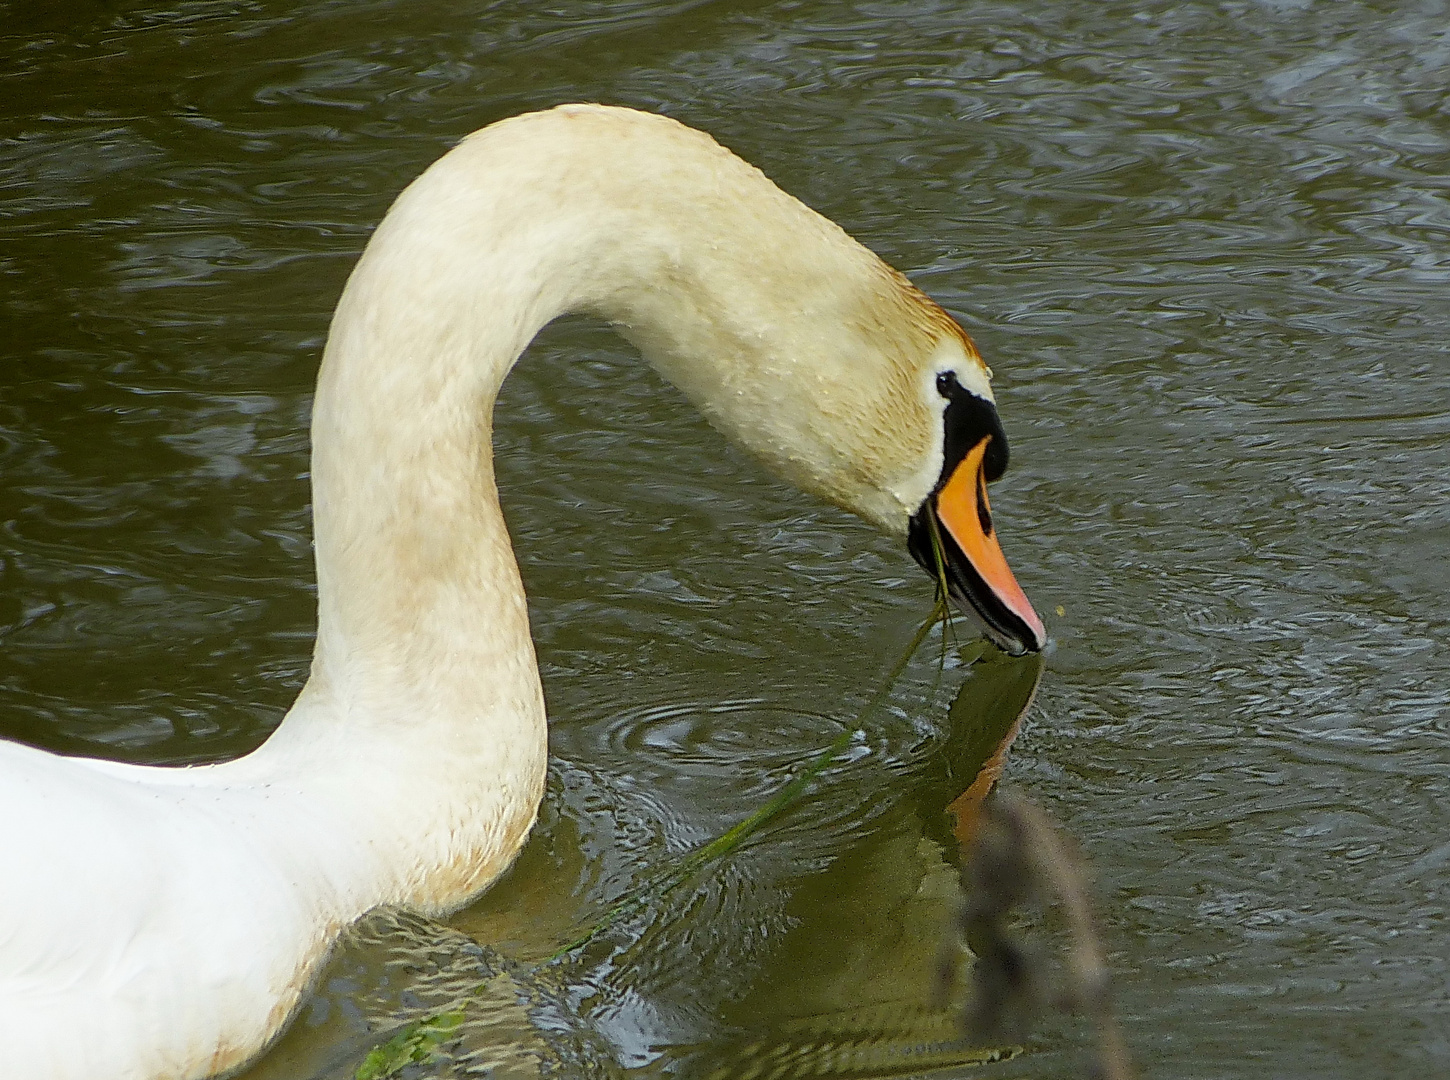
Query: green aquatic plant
(415,1044)
(661,884)
(882,1046)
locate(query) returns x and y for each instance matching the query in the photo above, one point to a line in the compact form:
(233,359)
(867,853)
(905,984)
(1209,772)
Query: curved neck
(424,716)
(424,711)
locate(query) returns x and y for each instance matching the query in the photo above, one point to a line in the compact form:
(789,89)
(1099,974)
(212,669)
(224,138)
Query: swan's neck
(424,709)
(424,704)
(423,715)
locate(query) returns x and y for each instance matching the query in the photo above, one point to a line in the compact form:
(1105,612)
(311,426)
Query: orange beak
(966,517)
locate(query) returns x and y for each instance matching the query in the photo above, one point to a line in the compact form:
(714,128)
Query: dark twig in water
(1018,857)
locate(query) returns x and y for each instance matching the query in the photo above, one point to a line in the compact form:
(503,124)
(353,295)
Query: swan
(166,922)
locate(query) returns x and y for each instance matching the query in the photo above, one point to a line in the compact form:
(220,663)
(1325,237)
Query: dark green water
(1206,248)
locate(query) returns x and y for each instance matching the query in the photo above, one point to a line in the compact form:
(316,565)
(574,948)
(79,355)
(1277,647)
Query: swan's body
(166,922)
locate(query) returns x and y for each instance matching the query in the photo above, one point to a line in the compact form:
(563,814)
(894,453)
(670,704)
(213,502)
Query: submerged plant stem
(666,881)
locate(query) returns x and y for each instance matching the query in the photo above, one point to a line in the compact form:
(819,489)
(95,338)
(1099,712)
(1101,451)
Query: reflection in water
(850,987)
(845,989)
(1020,858)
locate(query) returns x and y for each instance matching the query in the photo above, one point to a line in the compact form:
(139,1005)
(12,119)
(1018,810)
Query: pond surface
(1205,247)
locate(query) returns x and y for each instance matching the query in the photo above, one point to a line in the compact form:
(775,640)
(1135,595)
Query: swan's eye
(946,382)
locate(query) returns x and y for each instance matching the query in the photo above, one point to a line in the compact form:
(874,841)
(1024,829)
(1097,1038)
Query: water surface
(1205,247)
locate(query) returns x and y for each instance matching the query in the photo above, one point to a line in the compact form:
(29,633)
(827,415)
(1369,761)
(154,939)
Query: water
(1206,248)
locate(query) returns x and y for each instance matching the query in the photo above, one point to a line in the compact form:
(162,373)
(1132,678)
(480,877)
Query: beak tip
(1039,632)
(1035,640)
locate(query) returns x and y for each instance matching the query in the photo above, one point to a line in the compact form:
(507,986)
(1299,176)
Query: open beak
(971,560)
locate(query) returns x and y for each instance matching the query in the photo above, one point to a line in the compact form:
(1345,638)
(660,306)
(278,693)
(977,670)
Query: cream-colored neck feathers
(791,337)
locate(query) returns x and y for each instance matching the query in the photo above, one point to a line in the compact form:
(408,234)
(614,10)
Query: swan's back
(147,893)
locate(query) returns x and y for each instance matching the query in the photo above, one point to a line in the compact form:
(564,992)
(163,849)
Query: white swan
(163,922)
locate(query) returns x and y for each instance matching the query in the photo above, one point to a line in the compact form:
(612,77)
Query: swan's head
(952,534)
(791,337)
(932,443)
(860,389)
